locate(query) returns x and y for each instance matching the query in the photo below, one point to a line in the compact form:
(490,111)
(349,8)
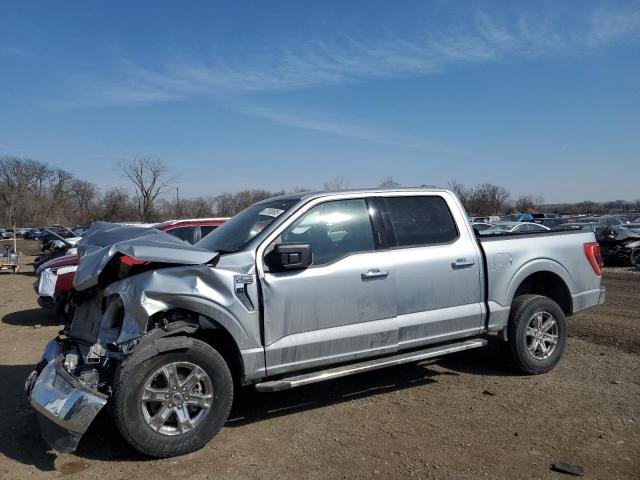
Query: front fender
(209,292)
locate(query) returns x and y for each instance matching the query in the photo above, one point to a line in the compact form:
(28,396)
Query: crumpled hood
(149,245)
(103,234)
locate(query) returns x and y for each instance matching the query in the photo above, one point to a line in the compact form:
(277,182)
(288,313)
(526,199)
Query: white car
(514,227)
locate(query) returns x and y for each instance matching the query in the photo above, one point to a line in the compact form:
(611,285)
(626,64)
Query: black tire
(634,257)
(523,309)
(127,407)
(60,307)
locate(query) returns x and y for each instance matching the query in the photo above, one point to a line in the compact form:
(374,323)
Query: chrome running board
(366,366)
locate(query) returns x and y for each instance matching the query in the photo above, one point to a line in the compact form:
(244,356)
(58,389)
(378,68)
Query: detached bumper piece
(64,406)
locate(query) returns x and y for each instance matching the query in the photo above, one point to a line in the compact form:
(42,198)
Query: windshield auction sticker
(271,212)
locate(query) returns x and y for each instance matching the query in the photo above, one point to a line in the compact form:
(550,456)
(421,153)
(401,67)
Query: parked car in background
(575,226)
(295,290)
(484,219)
(79,231)
(517,217)
(610,221)
(481,226)
(549,222)
(545,215)
(53,245)
(5,234)
(514,227)
(31,233)
(191,230)
(619,244)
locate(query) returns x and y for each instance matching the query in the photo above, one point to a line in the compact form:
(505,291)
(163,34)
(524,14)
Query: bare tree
(388,182)
(484,199)
(84,195)
(461,191)
(529,203)
(116,205)
(337,183)
(150,178)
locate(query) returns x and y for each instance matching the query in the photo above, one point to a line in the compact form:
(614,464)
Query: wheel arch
(190,324)
(548,279)
(215,334)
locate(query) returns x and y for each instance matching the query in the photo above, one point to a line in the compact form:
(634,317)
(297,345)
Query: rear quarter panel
(510,260)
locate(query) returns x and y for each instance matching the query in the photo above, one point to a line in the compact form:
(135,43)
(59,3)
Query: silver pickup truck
(293,290)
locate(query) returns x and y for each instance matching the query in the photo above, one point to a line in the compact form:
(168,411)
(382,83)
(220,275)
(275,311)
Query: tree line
(32,193)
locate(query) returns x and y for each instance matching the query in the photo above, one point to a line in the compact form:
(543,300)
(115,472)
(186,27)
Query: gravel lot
(461,417)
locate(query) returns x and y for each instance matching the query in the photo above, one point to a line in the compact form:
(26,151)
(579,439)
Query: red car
(55,277)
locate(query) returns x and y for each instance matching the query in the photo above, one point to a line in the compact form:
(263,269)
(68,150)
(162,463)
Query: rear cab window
(419,220)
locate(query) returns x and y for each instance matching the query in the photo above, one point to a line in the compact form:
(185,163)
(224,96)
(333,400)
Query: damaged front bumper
(65,406)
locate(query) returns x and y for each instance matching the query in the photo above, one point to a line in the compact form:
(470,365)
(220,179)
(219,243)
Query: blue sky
(539,97)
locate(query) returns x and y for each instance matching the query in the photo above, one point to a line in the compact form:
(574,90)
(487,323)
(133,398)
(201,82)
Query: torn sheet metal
(103,234)
(198,288)
(152,246)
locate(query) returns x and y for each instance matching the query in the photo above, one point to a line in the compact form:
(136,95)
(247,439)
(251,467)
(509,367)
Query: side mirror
(293,256)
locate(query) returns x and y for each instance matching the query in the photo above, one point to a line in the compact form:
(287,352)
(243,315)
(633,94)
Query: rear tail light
(128,266)
(592,252)
(130,261)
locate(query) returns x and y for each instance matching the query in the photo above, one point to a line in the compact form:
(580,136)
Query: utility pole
(177,203)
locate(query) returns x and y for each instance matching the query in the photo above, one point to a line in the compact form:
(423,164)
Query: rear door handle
(374,273)
(462,263)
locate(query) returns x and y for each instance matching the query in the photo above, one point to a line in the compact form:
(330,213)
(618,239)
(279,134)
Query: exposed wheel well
(220,339)
(206,329)
(550,285)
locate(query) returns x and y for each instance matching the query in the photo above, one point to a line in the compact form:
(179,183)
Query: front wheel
(635,257)
(537,334)
(173,403)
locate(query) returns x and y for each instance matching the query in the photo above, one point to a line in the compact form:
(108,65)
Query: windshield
(240,229)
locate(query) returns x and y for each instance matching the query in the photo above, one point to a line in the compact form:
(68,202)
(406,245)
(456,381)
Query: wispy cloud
(321,63)
(347,129)
(13,51)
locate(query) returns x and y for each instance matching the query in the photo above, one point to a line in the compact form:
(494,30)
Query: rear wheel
(537,334)
(635,257)
(174,402)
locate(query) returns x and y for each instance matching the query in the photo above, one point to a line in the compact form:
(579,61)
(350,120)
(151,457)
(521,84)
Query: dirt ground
(460,417)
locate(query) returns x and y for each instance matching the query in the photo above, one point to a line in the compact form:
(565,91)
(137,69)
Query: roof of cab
(326,193)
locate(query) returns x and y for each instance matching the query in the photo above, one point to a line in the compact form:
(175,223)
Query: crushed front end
(66,395)
(113,315)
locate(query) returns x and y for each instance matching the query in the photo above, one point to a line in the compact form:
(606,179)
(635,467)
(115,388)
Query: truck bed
(513,257)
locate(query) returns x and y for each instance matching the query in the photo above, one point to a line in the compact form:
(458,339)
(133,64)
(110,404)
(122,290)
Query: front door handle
(462,263)
(374,273)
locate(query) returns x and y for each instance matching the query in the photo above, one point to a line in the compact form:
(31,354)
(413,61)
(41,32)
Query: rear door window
(420,220)
(206,230)
(183,233)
